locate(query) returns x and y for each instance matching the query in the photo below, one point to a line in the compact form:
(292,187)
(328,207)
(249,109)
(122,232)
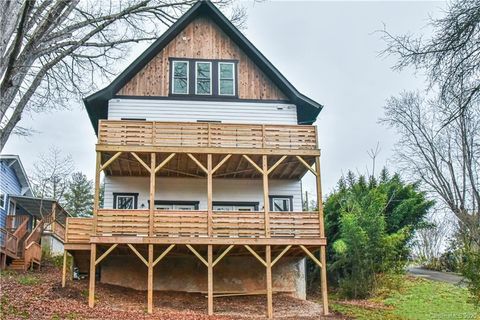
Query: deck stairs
(27,251)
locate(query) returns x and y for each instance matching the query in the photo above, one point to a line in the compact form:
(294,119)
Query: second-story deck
(202,150)
(117,135)
(228,227)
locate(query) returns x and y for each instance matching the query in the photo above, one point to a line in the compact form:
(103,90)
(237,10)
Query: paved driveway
(447,277)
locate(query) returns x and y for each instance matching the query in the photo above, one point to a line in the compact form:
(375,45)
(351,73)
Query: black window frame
(175,202)
(237,203)
(3,195)
(192,79)
(271,197)
(126,194)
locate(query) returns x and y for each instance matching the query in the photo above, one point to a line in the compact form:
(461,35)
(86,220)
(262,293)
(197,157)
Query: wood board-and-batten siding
(192,111)
(188,189)
(202,39)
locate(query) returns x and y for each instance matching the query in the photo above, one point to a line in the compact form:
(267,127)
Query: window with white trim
(203,78)
(180,77)
(226,78)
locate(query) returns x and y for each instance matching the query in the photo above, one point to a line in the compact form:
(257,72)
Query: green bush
(369,226)
(28,280)
(470,269)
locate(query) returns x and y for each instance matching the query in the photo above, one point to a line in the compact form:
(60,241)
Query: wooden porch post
(91,288)
(96,197)
(323,260)
(268,260)
(210,232)
(266,201)
(210,279)
(152,195)
(209,194)
(54,216)
(64,270)
(150,279)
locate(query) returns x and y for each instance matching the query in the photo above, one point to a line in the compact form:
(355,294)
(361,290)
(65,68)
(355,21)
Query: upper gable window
(226,78)
(203,78)
(180,77)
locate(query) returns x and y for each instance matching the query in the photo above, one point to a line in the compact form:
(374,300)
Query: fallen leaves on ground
(46,299)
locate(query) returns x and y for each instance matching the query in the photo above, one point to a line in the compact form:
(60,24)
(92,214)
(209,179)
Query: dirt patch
(46,299)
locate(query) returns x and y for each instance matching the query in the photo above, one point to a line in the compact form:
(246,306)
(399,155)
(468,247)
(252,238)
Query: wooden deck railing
(79,230)
(33,254)
(218,135)
(8,241)
(13,222)
(225,224)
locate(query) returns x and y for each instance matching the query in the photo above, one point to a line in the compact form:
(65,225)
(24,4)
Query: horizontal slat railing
(180,223)
(59,230)
(225,224)
(217,135)
(122,222)
(301,224)
(79,230)
(238,224)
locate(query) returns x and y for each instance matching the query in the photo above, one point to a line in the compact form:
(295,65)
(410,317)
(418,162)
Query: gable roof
(97,103)
(14,162)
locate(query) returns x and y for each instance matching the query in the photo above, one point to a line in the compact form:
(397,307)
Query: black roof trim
(97,103)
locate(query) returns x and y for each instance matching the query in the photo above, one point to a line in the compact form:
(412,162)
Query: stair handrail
(21,231)
(35,235)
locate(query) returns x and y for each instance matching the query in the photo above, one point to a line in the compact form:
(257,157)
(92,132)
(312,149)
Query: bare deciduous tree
(430,241)
(51,50)
(450,58)
(444,157)
(50,177)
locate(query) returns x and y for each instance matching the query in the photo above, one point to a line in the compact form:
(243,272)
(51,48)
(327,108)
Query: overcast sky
(327,50)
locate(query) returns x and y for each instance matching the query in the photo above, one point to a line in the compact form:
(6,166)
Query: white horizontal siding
(191,111)
(191,189)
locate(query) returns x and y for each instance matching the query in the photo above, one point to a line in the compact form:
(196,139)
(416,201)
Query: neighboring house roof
(14,162)
(97,103)
(40,208)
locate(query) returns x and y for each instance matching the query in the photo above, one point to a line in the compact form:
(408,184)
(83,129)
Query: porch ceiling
(181,165)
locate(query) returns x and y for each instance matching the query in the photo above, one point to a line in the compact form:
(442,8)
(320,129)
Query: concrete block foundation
(185,273)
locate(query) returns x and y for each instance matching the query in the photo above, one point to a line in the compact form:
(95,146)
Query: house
(203,144)
(26,223)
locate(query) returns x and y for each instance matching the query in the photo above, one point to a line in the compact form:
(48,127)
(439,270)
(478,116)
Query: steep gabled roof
(13,161)
(97,103)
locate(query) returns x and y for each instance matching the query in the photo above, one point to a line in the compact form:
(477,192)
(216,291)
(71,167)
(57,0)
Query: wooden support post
(64,270)
(210,279)
(268,260)
(152,194)
(96,197)
(209,194)
(323,280)
(150,279)
(318,181)
(266,199)
(323,261)
(91,288)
